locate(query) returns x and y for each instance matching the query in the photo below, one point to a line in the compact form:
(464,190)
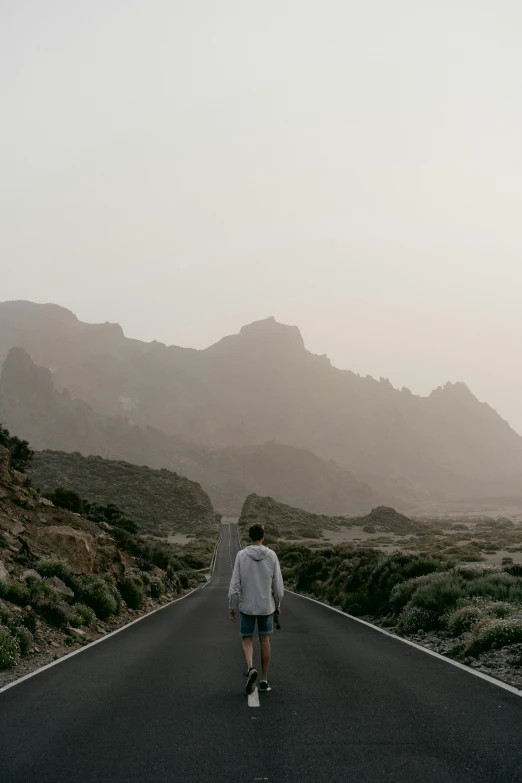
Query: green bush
(463,619)
(398,568)
(82,615)
(48,568)
(494,635)
(498,609)
(99,595)
(62,497)
(23,637)
(439,595)
(132,592)
(9,649)
(54,611)
(18,593)
(403,592)
(497,586)
(415,618)
(156,589)
(15,623)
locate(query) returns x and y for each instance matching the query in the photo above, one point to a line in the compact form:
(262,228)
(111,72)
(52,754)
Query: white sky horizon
(350,167)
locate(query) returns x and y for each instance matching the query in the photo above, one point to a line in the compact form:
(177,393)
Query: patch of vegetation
(9,649)
(82,615)
(131,590)
(20,453)
(494,634)
(100,595)
(159,501)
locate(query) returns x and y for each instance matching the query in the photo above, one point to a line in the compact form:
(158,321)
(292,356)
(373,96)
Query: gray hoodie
(256,581)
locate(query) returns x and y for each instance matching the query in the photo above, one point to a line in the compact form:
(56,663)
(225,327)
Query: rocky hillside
(262,385)
(32,407)
(65,580)
(160,501)
(285,522)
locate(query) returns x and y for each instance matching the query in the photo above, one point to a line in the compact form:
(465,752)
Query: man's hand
(277,611)
(232,615)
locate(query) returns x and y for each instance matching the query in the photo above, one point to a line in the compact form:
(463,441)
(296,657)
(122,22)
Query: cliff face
(262,385)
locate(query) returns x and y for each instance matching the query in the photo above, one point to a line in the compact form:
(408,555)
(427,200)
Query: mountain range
(255,408)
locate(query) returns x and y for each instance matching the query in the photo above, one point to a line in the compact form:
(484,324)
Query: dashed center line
(253,699)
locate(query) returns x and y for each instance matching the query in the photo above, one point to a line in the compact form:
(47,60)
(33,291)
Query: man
(258,586)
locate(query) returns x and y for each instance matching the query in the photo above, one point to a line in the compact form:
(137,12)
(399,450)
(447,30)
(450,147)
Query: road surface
(163,701)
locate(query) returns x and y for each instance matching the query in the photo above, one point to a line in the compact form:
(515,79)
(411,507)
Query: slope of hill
(262,385)
(65,580)
(160,501)
(52,420)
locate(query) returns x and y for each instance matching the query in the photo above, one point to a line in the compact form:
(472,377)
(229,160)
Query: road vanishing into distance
(163,701)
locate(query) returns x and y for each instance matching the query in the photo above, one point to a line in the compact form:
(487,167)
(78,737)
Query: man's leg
(264,640)
(248,651)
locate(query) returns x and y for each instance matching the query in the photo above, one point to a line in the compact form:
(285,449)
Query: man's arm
(234,591)
(278,588)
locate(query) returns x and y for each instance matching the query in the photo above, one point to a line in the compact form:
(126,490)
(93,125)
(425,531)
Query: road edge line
(504,685)
(108,635)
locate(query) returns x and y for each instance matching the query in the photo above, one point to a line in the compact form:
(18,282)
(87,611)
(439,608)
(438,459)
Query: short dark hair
(257,532)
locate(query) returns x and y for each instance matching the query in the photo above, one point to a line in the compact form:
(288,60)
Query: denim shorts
(265,624)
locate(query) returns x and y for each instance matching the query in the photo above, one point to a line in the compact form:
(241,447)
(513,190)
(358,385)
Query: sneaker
(251,681)
(264,686)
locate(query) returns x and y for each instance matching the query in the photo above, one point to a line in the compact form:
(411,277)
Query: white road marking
(462,666)
(253,699)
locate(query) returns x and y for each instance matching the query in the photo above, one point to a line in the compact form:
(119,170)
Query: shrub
(156,588)
(132,592)
(66,498)
(438,595)
(9,649)
(498,609)
(398,568)
(52,610)
(415,618)
(402,593)
(96,593)
(463,619)
(82,615)
(499,586)
(17,593)
(514,570)
(48,568)
(494,635)
(23,637)
(3,588)
(15,625)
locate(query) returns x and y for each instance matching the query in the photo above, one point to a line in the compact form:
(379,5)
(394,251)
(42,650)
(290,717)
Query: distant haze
(354,168)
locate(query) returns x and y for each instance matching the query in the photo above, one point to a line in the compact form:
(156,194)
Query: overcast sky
(184,167)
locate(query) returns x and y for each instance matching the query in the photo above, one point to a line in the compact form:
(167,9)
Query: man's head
(257,533)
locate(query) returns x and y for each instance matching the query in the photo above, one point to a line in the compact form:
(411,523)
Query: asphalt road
(163,701)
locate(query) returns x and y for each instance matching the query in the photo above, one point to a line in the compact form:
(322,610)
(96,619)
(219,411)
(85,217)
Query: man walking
(257,585)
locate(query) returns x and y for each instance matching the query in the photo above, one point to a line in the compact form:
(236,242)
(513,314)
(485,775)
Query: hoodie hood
(257,552)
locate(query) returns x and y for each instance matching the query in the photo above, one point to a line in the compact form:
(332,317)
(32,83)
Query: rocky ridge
(51,420)
(262,385)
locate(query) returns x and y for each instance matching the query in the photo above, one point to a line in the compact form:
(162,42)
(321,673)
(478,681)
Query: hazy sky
(184,167)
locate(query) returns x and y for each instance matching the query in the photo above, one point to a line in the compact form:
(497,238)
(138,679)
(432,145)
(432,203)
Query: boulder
(30,572)
(4,573)
(61,588)
(77,632)
(74,547)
